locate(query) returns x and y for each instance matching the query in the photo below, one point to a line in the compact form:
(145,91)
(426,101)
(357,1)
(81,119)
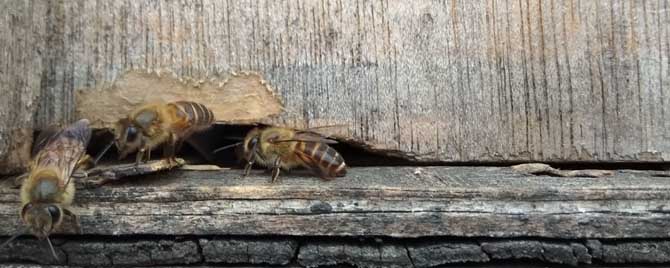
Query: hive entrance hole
(222,135)
(355,154)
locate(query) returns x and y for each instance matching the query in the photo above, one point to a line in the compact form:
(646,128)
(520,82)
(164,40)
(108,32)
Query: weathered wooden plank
(397,202)
(360,255)
(249,251)
(434,254)
(166,251)
(24,62)
(434,80)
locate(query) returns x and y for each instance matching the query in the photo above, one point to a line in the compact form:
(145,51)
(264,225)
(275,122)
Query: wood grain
(436,80)
(24,67)
(395,202)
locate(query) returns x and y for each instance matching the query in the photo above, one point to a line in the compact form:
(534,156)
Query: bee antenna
(227,147)
(14,237)
(97,158)
(53,251)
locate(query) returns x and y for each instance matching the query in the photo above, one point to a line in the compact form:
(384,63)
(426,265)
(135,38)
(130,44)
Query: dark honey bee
(156,124)
(48,191)
(283,148)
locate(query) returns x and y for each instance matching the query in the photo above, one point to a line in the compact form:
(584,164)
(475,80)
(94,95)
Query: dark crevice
(299,242)
(355,153)
(409,256)
(199,248)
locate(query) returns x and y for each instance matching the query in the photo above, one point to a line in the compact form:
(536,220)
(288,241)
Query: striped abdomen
(322,159)
(198,116)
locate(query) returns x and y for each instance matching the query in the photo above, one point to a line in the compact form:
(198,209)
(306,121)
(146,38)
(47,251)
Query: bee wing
(328,130)
(327,126)
(69,161)
(312,164)
(47,135)
(78,135)
(64,150)
(307,136)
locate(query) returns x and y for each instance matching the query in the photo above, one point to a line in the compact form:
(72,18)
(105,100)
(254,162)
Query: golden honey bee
(48,191)
(167,124)
(283,148)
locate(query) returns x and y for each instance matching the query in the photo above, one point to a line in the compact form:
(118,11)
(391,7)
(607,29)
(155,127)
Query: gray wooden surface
(374,217)
(394,202)
(445,80)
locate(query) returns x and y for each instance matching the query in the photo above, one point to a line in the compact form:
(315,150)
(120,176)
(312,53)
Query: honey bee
(156,124)
(48,191)
(283,148)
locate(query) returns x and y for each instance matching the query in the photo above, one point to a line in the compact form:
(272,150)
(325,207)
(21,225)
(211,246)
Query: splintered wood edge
(101,175)
(540,168)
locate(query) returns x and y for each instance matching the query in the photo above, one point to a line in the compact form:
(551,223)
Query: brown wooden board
(398,202)
(450,81)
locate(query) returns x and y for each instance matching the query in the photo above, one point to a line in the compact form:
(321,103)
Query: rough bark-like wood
(249,251)
(396,202)
(434,254)
(166,251)
(562,253)
(435,80)
(357,255)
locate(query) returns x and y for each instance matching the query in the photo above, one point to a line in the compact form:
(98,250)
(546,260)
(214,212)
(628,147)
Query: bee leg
(75,220)
(85,162)
(79,174)
(148,156)
(169,151)
(139,156)
(275,169)
(247,168)
(178,144)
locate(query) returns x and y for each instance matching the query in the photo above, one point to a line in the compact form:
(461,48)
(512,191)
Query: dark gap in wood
(355,154)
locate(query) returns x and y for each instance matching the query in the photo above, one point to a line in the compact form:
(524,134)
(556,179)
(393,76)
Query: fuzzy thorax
(42,186)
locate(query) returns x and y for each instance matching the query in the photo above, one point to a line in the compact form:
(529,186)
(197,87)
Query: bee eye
(131,134)
(253,143)
(54,212)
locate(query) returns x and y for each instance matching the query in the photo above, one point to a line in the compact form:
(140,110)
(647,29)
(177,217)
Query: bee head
(41,219)
(127,137)
(251,143)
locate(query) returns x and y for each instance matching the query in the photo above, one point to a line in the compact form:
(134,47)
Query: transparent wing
(45,136)
(64,150)
(307,136)
(312,164)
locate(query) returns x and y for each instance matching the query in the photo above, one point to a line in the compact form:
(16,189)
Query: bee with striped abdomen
(156,124)
(283,148)
(48,191)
